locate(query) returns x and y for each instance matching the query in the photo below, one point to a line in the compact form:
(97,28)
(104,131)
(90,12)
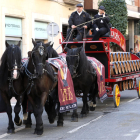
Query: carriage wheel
(138,89)
(116,95)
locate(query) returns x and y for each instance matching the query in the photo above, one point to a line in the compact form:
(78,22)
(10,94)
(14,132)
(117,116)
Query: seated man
(100,26)
(76,18)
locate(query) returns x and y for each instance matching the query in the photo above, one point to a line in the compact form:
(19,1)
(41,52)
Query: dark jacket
(98,24)
(75,19)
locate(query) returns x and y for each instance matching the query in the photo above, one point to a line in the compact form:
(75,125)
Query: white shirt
(100,21)
(100,14)
(79,13)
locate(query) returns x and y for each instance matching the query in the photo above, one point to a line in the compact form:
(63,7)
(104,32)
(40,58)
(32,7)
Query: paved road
(106,123)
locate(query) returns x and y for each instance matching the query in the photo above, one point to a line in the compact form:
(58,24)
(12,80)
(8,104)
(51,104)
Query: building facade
(132,32)
(22,20)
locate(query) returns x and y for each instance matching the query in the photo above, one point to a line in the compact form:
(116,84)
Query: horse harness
(31,76)
(11,79)
(75,67)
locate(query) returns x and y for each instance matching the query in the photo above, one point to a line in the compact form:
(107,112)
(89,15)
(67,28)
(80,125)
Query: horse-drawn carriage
(93,69)
(121,68)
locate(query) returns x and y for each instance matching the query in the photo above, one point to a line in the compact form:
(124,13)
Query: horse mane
(8,57)
(51,53)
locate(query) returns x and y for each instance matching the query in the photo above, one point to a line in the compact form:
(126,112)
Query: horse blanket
(66,92)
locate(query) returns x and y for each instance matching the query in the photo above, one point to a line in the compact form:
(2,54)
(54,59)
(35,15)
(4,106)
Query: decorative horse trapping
(100,70)
(66,92)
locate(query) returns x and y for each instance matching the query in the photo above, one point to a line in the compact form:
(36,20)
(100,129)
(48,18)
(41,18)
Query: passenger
(100,26)
(131,50)
(76,18)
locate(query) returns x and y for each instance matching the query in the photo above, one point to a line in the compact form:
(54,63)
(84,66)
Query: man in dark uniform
(100,26)
(76,18)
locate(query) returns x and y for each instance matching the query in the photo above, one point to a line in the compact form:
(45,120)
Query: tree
(117,8)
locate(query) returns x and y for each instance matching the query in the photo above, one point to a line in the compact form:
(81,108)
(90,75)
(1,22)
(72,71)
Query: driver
(76,18)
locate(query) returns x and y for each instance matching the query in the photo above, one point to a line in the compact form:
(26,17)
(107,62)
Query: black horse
(42,80)
(84,78)
(11,82)
(51,53)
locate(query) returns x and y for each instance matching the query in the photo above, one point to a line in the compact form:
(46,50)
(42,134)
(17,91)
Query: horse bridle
(41,48)
(75,67)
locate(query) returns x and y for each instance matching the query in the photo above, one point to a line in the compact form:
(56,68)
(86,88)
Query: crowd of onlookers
(135,52)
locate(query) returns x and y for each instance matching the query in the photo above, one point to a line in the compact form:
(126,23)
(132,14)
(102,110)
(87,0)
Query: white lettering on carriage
(120,79)
(115,36)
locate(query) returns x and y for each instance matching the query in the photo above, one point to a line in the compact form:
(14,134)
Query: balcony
(132,8)
(73,2)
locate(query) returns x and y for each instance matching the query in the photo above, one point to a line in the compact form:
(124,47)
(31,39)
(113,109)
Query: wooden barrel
(130,56)
(134,65)
(113,69)
(128,66)
(127,57)
(119,67)
(116,59)
(122,66)
(111,57)
(132,83)
(137,65)
(119,57)
(125,66)
(126,84)
(129,84)
(131,65)
(120,86)
(122,57)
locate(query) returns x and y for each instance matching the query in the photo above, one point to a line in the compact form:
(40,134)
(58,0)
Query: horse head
(13,59)
(73,59)
(38,56)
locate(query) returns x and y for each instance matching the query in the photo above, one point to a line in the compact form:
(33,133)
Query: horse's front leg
(28,123)
(60,119)
(17,109)
(84,108)
(11,128)
(93,100)
(38,110)
(74,117)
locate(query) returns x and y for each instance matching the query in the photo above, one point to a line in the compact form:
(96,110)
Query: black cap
(102,7)
(79,5)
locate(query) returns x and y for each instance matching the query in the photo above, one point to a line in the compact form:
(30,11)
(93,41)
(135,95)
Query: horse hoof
(83,115)
(38,132)
(11,131)
(87,111)
(73,119)
(51,121)
(60,124)
(28,126)
(92,108)
(24,121)
(18,124)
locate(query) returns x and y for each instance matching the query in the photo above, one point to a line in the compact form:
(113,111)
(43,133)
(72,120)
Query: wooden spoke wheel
(116,95)
(138,89)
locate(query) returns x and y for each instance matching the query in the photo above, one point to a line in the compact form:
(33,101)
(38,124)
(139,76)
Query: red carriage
(121,68)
